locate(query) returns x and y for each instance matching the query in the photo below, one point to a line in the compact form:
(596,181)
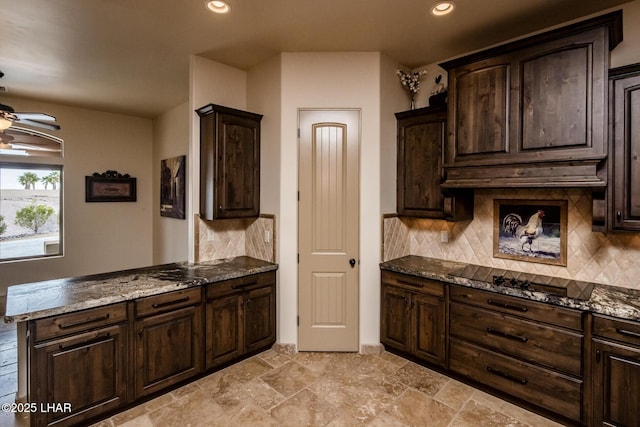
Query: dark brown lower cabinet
(86,364)
(413,317)
(535,384)
(82,375)
(240,317)
(224,332)
(168,349)
(527,349)
(616,372)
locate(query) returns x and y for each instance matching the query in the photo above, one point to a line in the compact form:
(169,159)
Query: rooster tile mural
(534,231)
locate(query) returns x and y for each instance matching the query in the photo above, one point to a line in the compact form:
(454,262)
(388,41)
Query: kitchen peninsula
(103,341)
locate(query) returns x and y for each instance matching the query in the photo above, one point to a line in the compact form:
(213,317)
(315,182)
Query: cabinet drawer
(531,341)
(539,386)
(520,307)
(79,321)
(167,301)
(617,329)
(215,290)
(416,284)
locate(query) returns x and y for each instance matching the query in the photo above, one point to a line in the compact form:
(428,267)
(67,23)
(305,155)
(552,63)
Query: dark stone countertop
(613,301)
(53,297)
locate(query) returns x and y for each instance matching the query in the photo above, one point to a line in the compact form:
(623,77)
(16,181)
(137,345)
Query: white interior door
(328,233)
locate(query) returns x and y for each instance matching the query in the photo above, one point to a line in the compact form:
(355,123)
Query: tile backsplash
(235,237)
(609,258)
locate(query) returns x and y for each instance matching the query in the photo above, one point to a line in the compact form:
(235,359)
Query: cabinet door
(229,163)
(238,173)
(420,140)
(259,318)
(168,349)
(626,153)
(479,111)
(87,371)
(223,330)
(538,101)
(429,328)
(395,329)
(616,384)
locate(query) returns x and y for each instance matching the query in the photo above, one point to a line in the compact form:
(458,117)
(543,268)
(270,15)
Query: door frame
(359,216)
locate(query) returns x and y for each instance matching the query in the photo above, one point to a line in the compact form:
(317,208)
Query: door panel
(328,220)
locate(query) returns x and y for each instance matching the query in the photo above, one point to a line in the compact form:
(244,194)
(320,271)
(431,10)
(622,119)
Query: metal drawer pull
(507,335)
(168,303)
(507,305)
(507,376)
(415,285)
(627,332)
(84,322)
(96,340)
(243,285)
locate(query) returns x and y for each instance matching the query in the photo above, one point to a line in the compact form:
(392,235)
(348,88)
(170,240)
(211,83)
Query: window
(30,210)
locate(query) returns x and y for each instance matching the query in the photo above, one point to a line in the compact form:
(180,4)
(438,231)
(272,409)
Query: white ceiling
(132,56)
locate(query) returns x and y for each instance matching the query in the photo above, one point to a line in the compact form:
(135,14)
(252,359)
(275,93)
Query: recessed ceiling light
(443,8)
(218,6)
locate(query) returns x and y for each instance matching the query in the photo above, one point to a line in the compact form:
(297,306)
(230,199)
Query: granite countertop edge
(607,300)
(31,301)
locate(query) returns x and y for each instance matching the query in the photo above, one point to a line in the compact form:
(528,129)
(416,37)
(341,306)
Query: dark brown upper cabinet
(229,163)
(421,137)
(532,113)
(624,166)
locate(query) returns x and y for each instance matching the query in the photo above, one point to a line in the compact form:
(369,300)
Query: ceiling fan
(8,116)
(30,142)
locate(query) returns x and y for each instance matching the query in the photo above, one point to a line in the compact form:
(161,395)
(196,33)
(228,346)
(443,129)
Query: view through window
(30,211)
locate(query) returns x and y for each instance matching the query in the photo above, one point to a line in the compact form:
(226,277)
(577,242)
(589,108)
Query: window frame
(36,165)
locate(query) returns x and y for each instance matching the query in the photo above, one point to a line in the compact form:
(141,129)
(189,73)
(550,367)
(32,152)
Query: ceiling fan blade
(36,123)
(6,136)
(23,146)
(42,117)
(6,108)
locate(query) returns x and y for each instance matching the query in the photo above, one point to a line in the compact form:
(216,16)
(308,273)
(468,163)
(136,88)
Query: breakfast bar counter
(53,297)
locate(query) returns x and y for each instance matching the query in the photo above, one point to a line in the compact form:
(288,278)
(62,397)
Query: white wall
(394,98)
(209,83)
(264,95)
(336,81)
(170,139)
(98,237)
(628,51)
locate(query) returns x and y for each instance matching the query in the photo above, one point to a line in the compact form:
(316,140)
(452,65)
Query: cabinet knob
(618,216)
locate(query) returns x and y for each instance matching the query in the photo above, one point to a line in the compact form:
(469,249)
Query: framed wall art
(173,187)
(531,230)
(110,186)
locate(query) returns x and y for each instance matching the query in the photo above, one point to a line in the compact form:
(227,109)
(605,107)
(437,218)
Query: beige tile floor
(305,389)
(325,389)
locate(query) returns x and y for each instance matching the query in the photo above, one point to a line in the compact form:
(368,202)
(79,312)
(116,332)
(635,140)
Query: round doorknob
(352,262)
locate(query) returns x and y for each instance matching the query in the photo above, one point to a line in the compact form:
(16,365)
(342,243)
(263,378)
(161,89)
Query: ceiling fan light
(443,8)
(218,6)
(5,123)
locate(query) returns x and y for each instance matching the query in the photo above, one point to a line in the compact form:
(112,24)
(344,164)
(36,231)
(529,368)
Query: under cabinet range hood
(533,112)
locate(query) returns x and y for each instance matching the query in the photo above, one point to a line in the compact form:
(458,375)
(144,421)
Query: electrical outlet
(267,236)
(210,235)
(444,236)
